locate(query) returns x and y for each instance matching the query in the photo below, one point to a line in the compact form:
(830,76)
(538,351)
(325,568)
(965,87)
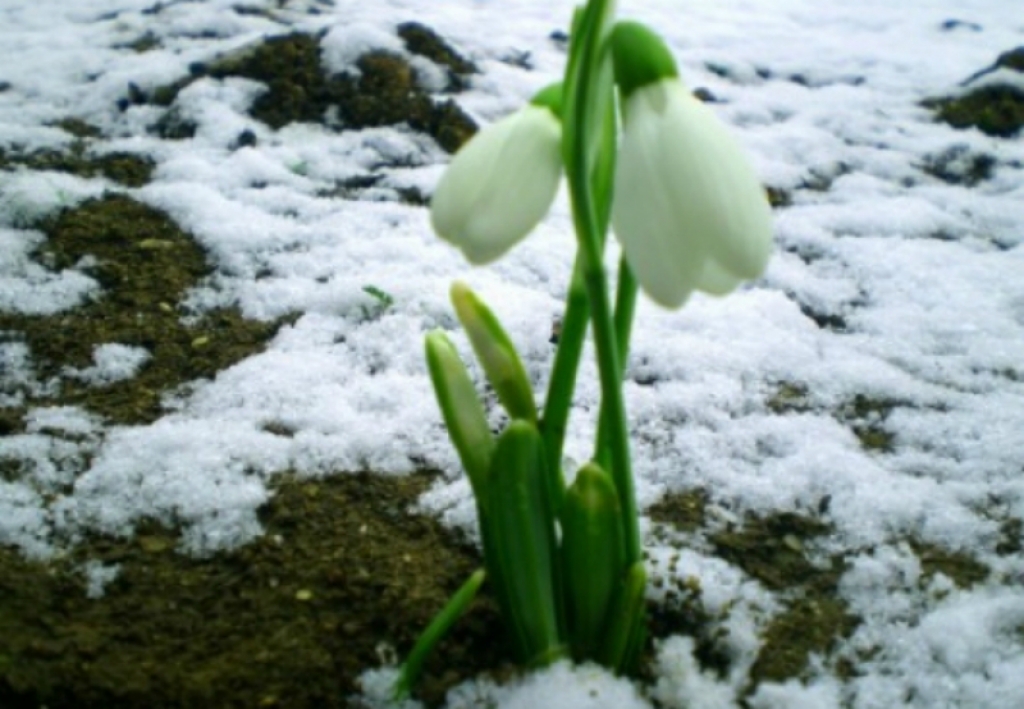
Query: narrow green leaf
(626,630)
(438,628)
(593,557)
(521,536)
(496,353)
(461,408)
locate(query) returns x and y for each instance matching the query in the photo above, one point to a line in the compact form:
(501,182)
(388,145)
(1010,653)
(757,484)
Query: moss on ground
(298,89)
(344,576)
(773,550)
(422,40)
(144,264)
(120,167)
(789,397)
(1011,537)
(957,165)
(814,617)
(962,569)
(683,510)
(865,415)
(996,109)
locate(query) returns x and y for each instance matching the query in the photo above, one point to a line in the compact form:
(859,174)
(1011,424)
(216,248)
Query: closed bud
(461,408)
(496,353)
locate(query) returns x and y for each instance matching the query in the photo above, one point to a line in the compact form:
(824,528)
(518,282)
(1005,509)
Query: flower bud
(496,353)
(461,408)
(522,535)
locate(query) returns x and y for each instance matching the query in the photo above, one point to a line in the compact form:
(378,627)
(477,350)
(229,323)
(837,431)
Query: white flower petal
(645,222)
(716,280)
(689,210)
(726,199)
(499,185)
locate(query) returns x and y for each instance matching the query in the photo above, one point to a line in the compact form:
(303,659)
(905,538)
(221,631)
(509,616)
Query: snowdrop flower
(502,182)
(688,210)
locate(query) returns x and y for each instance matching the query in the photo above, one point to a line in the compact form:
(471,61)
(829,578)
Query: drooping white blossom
(689,210)
(500,184)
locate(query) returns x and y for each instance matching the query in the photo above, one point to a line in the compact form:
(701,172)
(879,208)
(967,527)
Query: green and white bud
(496,353)
(462,410)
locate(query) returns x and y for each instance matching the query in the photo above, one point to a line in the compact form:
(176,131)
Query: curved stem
(577,314)
(587,215)
(563,380)
(625,307)
(611,396)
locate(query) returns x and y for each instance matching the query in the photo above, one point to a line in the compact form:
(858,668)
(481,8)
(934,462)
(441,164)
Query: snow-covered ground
(888,284)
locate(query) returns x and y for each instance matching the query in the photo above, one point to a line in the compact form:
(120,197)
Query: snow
(114,362)
(918,280)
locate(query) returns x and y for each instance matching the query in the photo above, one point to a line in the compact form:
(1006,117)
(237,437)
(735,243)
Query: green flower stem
(577,310)
(612,401)
(580,118)
(625,307)
(563,380)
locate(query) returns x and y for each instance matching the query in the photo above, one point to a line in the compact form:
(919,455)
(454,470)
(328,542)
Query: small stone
(153,545)
(155,244)
(722,515)
(792,542)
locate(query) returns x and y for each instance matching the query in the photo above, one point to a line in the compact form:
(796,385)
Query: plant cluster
(645,158)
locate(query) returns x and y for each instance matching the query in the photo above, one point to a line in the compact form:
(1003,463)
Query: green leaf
(438,628)
(627,627)
(593,557)
(381,296)
(521,538)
